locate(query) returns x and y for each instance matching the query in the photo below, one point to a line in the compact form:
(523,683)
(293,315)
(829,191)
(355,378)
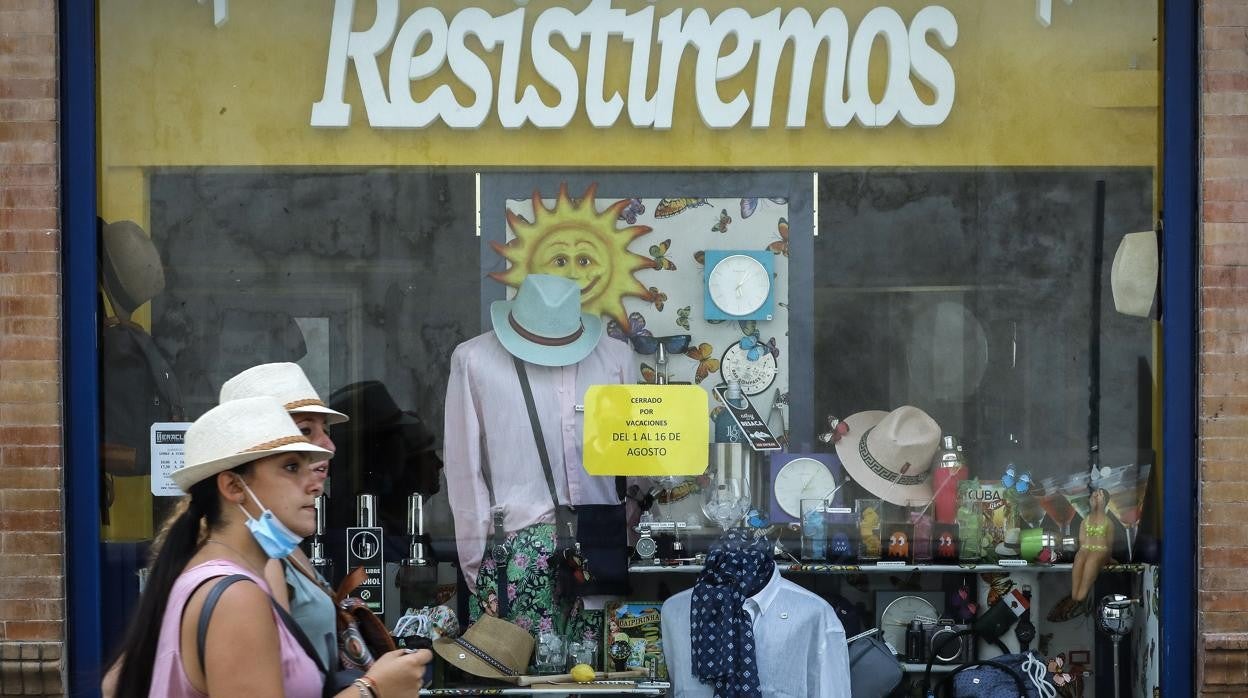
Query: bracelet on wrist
(363,688)
(372,685)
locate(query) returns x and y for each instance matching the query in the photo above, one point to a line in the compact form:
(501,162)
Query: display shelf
(551,690)
(794,568)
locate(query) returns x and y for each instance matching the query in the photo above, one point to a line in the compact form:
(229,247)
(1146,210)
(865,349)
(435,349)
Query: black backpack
(138,388)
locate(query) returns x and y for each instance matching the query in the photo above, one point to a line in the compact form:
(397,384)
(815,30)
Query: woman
(251,487)
(295,583)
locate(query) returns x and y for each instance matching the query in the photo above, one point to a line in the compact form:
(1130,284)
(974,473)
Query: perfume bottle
(726,429)
(950,469)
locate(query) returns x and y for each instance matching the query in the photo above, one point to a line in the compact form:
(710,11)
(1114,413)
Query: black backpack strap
(210,604)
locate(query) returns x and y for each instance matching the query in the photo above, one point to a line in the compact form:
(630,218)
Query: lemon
(582,673)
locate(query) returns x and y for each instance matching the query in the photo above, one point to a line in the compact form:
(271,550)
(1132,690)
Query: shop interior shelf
(794,568)
(546,691)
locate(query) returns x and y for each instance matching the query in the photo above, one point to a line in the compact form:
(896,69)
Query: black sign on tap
(364,550)
(751,422)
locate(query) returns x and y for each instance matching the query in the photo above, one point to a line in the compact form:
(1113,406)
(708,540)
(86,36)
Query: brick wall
(32,595)
(1223,408)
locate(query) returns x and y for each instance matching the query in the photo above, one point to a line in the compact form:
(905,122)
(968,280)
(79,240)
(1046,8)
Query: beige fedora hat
(1133,276)
(491,648)
(284,381)
(237,432)
(890,453)
(129,265)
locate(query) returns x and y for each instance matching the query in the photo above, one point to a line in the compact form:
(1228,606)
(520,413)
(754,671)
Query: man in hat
(491,455)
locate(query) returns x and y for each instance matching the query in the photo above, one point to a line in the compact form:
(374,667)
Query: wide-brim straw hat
(544,324)
(890,453)
(492,648)
(237,432)
(284,381)
(129,265)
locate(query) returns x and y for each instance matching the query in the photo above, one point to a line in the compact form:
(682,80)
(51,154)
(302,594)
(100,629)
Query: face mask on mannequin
(274,538)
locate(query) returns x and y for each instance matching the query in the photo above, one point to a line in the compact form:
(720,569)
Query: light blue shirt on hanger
(800,644)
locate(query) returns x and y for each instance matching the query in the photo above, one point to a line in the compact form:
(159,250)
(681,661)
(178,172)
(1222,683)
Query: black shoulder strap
(537,429)
(210,603)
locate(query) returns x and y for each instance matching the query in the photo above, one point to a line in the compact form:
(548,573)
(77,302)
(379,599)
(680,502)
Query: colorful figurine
(1096,542)
(898,545)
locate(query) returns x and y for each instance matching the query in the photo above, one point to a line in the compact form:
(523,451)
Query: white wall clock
(739,285)
(794,478)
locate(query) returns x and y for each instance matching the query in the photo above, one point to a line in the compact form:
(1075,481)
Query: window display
(922,348)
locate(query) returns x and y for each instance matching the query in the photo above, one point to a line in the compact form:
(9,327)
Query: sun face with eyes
(573,240)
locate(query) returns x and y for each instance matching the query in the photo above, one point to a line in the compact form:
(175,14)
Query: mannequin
(799,644)
(1096,542)
(492,462)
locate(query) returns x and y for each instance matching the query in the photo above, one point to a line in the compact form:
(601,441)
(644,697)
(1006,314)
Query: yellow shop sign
(649,430)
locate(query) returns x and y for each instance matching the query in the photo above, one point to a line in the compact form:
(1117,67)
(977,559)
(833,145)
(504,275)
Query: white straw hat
(890,453)
(1133,275)
(237,432)
(284,381)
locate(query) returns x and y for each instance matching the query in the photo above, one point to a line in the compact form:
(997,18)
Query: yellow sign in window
(646,430)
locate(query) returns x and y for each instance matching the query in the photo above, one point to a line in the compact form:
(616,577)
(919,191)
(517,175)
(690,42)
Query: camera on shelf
(939,641)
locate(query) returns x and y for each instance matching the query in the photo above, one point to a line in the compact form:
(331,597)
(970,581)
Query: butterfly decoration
(632,210)
(1011,478)
(657,297)
(648,374)
(781,246)
(757,519)
(670,207)
(704,354)
(837,429)
(750,205)
(659,252)
(1068,609)
(636,328)
(700,257)
(724,220)
(1057,667)
(755,348)
(999,584)
(683,490)
(682,317)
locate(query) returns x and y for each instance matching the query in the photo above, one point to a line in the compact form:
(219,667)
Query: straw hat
(237,432)
(544,324)
(284,381)
(491,648)
(890,453)
(130,265)
(1133,276)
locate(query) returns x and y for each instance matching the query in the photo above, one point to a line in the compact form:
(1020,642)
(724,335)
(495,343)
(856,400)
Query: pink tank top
(300,677)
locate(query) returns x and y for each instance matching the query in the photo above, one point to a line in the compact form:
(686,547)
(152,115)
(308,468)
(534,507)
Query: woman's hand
(401,672)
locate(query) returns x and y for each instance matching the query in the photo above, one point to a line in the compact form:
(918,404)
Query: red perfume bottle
(949,471)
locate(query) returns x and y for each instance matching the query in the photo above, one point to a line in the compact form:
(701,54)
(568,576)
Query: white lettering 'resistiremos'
(762,39)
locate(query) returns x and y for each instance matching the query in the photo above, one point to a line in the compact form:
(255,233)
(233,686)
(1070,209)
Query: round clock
(738,285)
(801,478)
(755,376)
(897,615)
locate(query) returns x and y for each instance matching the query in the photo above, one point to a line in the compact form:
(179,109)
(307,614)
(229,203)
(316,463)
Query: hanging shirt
(488,430)
(300,677)
(801,648)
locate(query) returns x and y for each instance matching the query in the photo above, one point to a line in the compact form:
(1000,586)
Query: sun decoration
(575,241)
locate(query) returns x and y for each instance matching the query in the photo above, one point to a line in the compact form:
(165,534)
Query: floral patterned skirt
(534,601)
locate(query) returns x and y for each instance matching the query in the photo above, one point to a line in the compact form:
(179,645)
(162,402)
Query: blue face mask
(274,538)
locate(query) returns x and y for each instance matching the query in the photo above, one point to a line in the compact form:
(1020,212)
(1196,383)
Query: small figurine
(1096,541)
(898,545)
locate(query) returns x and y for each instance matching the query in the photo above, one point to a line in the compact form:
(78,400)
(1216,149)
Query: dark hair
(137,651)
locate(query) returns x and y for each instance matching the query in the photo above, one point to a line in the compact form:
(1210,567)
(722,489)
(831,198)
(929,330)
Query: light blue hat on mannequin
(544,324)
